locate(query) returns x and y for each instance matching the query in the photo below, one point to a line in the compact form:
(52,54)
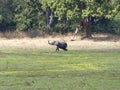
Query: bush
(107,26)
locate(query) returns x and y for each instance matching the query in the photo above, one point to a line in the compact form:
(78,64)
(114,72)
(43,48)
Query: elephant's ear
(56,42)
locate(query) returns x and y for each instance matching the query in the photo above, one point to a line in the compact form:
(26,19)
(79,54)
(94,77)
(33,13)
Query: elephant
(59,44)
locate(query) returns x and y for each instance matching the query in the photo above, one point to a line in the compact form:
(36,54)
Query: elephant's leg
(57,49)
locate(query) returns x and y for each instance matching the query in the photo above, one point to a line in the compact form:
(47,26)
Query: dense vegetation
(60,16)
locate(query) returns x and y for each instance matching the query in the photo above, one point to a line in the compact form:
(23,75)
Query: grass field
(50,70)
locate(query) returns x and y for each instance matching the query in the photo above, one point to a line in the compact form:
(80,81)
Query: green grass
(49,70)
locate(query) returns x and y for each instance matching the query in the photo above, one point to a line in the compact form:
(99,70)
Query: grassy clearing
(48,70)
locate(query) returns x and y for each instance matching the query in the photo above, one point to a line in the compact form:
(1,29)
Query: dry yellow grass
(98,42)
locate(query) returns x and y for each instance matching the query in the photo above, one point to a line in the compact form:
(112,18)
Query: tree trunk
(75,34)
(49,20)
(86,28)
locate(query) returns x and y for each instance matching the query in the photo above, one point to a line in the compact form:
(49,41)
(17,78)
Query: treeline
(60,16)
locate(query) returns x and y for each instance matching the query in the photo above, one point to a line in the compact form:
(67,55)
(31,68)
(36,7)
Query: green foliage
(107,25)
(116,24)
(31,14)
(75,10)
(23,22)
(61,28)
(6,14)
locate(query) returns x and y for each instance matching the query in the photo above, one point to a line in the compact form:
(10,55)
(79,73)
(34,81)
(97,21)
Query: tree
(49,14)
(6,14)
(86,11)
(60,14)
(29,15)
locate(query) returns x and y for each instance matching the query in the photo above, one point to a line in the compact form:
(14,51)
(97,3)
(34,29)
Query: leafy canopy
(76,9)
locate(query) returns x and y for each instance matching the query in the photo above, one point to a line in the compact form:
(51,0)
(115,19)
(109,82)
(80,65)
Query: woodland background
(60,16)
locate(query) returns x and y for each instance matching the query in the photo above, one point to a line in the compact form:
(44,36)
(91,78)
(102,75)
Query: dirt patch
(98,42)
